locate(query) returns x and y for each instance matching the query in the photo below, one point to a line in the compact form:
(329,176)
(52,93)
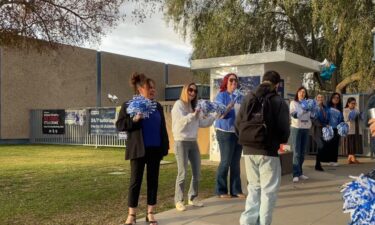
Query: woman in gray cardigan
(146,144)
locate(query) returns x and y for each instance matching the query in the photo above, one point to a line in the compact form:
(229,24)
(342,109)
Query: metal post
(98,79)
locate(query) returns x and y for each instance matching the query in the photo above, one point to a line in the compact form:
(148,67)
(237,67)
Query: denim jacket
(227,123)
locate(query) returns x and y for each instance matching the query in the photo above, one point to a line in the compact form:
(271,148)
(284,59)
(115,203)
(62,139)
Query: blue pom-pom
(238,96)
(142,105)
(308,105)
(359,200)
(352,115)
(343,129)
(327,133)
(208,107)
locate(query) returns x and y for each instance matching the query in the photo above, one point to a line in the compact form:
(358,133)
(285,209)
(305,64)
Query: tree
(74,22)
(316,29)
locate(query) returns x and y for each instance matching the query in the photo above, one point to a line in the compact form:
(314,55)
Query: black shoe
(151,222)
(134,221)
(319,168)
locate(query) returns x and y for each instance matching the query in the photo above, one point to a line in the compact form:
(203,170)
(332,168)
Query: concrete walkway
(316,201)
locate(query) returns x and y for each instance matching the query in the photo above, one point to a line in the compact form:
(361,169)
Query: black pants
(332,148)
(152,160)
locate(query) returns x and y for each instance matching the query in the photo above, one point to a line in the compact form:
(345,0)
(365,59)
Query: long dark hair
(296,95)
(339,104)
(224,83)
(351,99)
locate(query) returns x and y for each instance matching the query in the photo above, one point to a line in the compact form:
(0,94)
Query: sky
(153,40)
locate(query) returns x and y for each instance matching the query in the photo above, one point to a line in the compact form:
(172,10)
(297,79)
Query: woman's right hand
(230,106)
(137,117)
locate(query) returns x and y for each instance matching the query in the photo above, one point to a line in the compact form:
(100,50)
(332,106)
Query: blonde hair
(184,97)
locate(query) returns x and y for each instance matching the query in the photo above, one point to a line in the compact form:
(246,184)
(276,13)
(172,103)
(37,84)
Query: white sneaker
(295,179)
(195,202)
(335,164)
(180,206)
(303,177)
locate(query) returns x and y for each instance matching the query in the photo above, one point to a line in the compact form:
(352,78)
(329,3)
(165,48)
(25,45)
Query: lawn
(49,184)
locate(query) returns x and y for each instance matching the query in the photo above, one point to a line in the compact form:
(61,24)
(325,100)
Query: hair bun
(136,78)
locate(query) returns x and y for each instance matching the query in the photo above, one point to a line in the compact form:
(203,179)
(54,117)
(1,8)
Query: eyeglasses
(193,90)
(233,80)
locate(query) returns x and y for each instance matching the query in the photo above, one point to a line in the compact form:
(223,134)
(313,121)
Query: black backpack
(253,130)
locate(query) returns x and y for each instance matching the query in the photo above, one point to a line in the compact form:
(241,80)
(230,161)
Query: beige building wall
(116,73)
(178,75)
(52,80)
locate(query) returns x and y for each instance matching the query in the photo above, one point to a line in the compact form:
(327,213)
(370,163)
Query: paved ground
(316,201)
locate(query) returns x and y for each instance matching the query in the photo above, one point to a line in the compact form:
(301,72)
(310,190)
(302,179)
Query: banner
(53,121)
(102,121)
(75,117)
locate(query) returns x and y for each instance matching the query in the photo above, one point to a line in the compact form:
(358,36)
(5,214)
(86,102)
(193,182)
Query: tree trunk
(354,77)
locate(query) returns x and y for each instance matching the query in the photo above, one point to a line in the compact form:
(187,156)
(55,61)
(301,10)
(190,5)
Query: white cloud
(153,40)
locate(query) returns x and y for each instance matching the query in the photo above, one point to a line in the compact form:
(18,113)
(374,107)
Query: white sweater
(185,124)
(303,120)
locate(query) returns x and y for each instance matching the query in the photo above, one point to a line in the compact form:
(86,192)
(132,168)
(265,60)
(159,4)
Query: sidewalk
(316,201)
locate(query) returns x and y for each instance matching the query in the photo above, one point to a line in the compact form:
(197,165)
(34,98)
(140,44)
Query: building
(69,77)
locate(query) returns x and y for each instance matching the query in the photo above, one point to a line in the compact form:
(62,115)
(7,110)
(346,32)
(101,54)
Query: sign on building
(102,121)
(53,121)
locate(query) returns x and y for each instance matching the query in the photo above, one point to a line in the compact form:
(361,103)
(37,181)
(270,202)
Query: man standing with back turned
(262,125)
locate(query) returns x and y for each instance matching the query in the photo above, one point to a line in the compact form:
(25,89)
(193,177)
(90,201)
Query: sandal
(151,222)
(134,222)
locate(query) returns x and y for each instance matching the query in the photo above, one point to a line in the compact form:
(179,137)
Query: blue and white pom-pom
(208,107)
(327,133)
(352,115)
(308,105)
(142,105)
(343,129)
(238,96)
(359,200)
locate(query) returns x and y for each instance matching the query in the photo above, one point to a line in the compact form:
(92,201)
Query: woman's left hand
(371,122)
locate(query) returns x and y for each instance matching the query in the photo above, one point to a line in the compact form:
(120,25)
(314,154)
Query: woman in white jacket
(185,123)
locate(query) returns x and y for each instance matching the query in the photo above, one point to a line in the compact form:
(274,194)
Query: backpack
(253,130)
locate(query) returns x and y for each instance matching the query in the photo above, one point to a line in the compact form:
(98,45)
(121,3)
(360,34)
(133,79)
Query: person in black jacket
(261,157)
(147,142)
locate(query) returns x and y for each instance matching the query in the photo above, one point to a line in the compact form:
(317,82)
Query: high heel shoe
(134,221)
(151,222)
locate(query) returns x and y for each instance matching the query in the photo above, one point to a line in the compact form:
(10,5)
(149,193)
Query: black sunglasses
(232,80)
(192,90)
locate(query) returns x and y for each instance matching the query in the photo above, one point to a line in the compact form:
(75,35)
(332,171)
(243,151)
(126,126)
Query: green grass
(49,184)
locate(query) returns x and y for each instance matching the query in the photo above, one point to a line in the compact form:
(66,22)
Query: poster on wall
(75,117)
(102,121)
(53,121)
(246,84)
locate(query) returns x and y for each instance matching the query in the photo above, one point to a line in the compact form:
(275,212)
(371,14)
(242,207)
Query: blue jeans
(184,151)
(230,154)
(264,177)
(300,138)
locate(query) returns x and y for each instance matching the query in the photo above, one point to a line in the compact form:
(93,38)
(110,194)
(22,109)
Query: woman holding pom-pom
(230,150)
(186,119)
(352,142)
(146,144)
(321,120)
(335,107)
(300,126)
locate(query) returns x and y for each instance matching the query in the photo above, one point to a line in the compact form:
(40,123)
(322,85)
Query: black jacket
(134,143)
(277,119)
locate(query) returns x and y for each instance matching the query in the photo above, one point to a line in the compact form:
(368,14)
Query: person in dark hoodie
(260,147)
